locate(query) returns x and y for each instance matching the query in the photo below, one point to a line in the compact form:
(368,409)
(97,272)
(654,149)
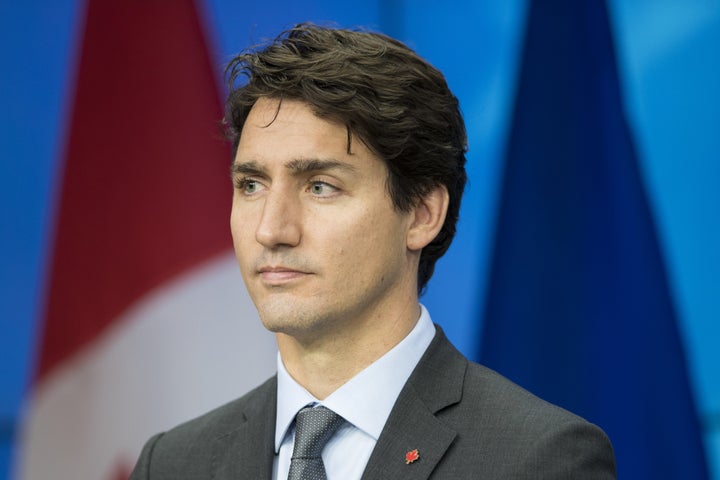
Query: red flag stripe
(146,191)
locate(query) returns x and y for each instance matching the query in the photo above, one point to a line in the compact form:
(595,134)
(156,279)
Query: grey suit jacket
(465,420)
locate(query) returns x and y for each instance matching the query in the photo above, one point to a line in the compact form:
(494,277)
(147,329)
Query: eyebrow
(245,168)
(297,167)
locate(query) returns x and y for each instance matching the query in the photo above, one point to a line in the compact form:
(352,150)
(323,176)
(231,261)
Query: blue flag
(579,309)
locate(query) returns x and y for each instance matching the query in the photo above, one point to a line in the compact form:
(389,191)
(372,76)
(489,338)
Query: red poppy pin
(411,456)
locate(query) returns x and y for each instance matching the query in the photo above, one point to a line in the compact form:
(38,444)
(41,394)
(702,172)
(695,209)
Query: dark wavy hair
(395,102)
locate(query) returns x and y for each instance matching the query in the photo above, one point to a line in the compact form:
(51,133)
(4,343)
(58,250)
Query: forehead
(289,130)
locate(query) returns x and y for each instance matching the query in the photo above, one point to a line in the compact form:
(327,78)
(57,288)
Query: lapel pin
(411,456)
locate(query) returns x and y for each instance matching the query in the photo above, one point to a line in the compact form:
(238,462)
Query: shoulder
(515,405)
(481,394)
(187,449)
(226,417)
(540,440)
(504,430)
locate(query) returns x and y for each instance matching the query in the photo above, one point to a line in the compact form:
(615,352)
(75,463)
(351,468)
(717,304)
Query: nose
(279,222)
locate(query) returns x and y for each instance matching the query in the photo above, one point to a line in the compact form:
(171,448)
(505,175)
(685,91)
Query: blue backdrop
(669,70)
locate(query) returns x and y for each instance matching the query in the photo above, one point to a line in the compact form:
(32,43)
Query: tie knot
(313,428)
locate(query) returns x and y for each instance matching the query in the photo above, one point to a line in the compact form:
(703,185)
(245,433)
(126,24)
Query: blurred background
(647,72)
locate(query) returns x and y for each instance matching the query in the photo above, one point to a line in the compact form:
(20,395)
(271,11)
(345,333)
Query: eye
(248,186)
(322,189)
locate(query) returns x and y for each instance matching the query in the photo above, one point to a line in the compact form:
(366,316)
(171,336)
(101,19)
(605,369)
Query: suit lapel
(410,427)
(248,450)
(436,383)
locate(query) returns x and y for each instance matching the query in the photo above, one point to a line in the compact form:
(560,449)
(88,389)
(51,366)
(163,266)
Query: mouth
(279,275)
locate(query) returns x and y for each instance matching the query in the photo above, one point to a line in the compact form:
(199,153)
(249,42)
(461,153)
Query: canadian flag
(147,322)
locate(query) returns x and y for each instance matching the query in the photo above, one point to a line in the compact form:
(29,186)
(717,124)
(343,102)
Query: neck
(323,363)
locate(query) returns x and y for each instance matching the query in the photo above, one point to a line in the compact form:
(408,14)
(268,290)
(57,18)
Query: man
(348,174)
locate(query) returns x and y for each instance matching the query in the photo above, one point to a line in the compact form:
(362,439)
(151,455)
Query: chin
(290,319)
(282,317)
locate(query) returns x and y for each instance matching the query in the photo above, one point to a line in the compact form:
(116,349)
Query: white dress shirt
(365,401)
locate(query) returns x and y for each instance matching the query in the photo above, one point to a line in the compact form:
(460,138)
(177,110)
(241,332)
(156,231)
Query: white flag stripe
(183,349)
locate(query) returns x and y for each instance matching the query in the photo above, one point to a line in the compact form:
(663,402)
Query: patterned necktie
(313,428)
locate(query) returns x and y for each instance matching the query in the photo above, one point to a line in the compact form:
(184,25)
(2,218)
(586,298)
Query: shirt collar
(366,399)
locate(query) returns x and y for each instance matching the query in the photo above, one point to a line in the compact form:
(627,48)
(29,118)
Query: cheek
(371,242)
(354,234)
(234,218)
(341,246)
(236,231)
(242,231)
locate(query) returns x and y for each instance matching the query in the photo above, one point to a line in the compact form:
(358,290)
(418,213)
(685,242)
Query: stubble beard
(299,321)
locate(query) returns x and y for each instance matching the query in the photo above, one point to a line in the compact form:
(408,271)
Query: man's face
(319,244)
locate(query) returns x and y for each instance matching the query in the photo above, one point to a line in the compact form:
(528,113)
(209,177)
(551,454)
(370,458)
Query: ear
(428,218)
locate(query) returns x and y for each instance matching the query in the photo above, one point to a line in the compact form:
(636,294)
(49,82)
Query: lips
(280,275)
